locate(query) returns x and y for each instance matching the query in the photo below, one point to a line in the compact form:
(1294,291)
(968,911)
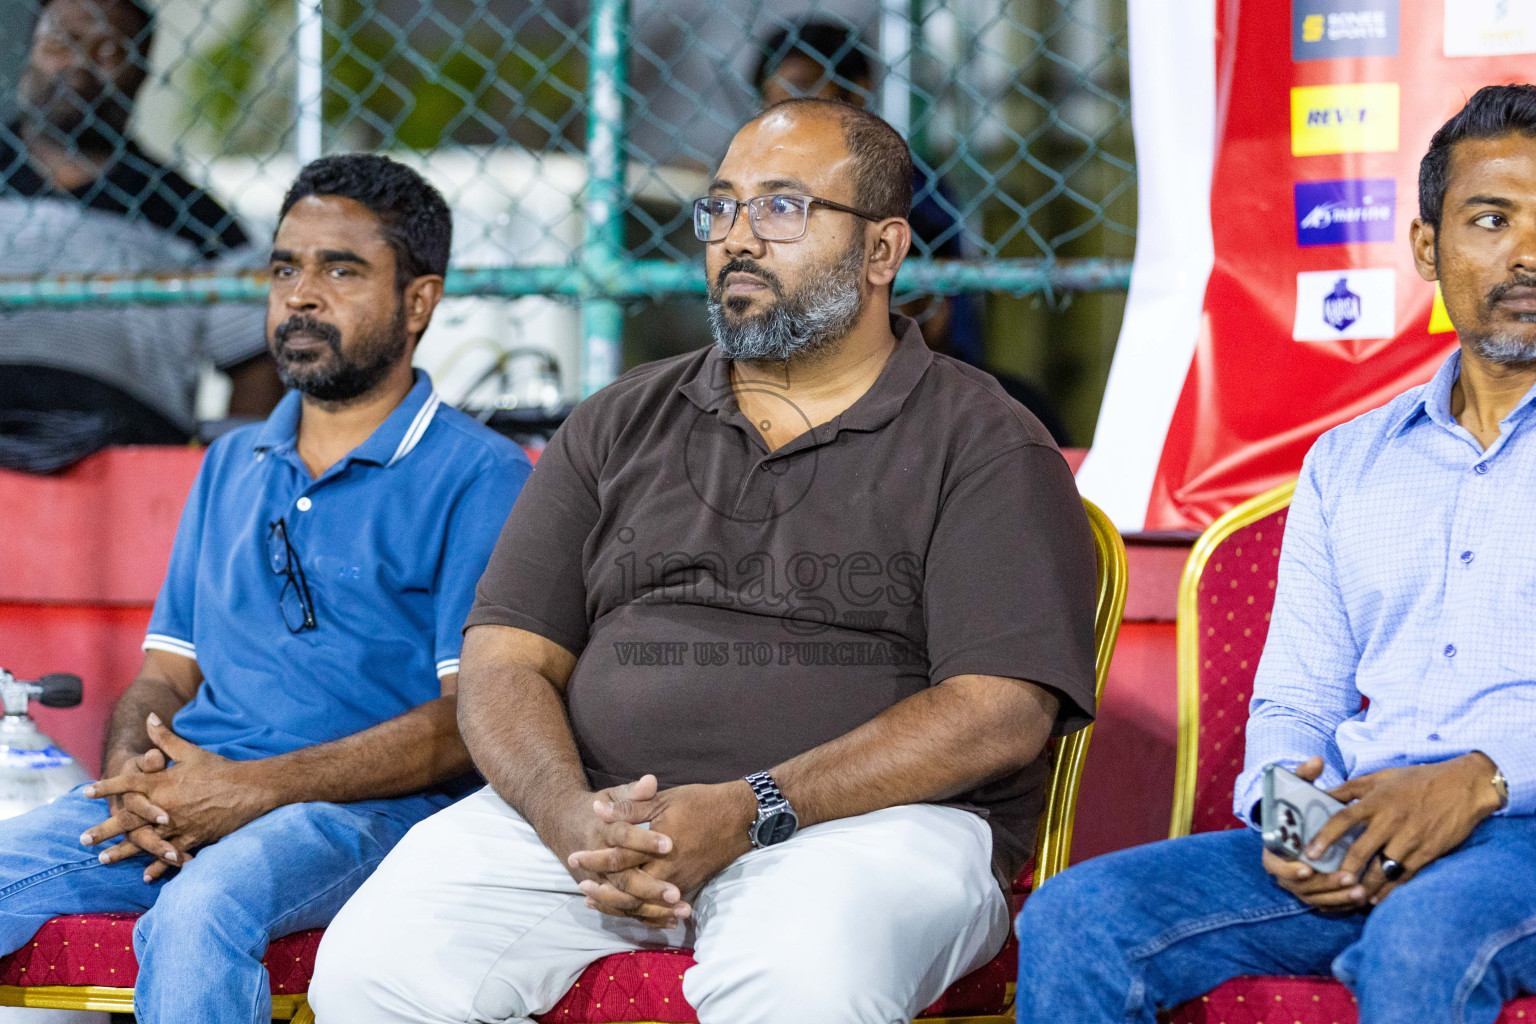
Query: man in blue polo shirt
(295,712)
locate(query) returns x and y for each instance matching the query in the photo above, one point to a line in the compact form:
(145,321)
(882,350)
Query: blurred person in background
(827,61)
(77,195)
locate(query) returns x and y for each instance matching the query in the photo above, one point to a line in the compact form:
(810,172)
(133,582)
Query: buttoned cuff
(1516,759)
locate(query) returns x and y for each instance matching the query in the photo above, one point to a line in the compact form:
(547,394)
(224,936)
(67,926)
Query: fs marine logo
(1344,211)
(1344,119)
(1342,306)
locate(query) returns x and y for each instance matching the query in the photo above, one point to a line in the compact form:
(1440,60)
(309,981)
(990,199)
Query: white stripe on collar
(417,428)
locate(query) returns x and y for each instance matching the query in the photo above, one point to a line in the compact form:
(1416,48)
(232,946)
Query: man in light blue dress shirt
(1408,580)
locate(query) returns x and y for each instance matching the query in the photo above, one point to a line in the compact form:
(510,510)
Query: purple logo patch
(1351,210)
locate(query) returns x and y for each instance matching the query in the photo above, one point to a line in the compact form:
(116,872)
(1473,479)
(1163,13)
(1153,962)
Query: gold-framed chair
(984,997)
(1225,598)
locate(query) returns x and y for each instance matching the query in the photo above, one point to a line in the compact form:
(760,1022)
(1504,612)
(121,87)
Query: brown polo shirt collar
(709,388)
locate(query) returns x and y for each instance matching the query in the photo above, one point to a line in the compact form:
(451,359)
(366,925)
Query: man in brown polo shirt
(767,655)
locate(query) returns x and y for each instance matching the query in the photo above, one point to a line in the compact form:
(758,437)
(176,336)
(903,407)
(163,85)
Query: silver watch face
(772,829)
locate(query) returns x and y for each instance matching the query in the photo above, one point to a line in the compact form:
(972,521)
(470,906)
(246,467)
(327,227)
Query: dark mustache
(741,265)
(1503,288)
(300,324)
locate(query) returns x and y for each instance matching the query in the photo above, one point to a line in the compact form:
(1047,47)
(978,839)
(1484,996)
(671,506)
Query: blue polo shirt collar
(392,441)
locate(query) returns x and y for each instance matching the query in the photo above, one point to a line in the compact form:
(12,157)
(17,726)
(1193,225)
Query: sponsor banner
(1325,29)
(1260,228)
(1341,212)
(1344,119)
(1338,304)
(1489,28)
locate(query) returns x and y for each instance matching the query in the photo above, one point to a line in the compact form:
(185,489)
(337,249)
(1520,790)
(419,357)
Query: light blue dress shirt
(1407,577)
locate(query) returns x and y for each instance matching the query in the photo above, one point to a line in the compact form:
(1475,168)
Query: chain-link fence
(570,137)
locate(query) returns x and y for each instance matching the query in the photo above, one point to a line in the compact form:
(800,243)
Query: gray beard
(1504,349)
(798,325)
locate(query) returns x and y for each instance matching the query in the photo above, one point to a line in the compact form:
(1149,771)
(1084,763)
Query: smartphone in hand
(1292,812)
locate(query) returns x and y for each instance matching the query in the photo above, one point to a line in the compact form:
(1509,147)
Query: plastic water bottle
(33,771)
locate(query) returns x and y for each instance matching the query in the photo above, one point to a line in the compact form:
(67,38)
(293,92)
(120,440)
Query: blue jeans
(206,926)
(1125,935)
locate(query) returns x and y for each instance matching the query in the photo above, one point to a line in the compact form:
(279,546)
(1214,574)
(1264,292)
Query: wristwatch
(776,820)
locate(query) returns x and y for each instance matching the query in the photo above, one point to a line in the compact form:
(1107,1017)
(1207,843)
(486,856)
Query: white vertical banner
(1173,115)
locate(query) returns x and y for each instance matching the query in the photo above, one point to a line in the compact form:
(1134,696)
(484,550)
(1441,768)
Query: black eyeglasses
(297,606)
(773,218)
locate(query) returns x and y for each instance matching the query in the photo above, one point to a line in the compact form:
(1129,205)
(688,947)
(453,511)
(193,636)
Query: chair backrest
(1053,842)
(1225,597)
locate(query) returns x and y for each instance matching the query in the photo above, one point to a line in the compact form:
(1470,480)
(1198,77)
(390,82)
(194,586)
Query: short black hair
(416,221)
(1492,111)
(882,184)
(835,47)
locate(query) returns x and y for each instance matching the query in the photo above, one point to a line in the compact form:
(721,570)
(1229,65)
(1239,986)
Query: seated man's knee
(1069,908)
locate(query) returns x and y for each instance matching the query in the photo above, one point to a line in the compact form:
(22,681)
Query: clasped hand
(169,801)
(644,852)
(1412,815)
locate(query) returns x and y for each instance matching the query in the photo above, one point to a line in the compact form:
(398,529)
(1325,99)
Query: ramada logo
(1342,306)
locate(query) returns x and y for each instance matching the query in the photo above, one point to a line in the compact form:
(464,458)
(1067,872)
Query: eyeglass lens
(773,218)
(294,602)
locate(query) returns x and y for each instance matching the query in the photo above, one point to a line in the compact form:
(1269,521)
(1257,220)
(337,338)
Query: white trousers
(860,921)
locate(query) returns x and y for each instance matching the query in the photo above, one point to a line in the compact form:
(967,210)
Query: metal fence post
(602,318)
(309,83)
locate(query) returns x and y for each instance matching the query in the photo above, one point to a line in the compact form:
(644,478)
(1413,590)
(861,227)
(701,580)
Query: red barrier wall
(81,559)
(82,555)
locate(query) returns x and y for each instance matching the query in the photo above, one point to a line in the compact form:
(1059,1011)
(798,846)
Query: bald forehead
(799,146)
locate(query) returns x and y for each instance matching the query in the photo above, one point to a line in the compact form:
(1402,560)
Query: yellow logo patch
(1344,119)
(1312,28)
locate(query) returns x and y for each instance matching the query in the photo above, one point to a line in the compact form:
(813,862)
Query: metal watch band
(766,791)
(1501,787)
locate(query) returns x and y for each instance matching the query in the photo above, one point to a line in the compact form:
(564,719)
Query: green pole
(604,290)
(602,318)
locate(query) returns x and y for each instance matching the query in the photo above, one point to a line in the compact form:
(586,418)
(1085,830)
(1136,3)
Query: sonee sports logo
(1323,29)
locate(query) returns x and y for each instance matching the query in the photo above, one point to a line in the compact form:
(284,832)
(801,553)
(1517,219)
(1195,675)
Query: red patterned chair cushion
(1237,590)
(648,984)
(97,949)
(1302,1000)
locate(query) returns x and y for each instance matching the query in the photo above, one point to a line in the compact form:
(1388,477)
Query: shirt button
(1434,737)
(1466,556)
(1481,467)
(304,504)
(1450,650)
